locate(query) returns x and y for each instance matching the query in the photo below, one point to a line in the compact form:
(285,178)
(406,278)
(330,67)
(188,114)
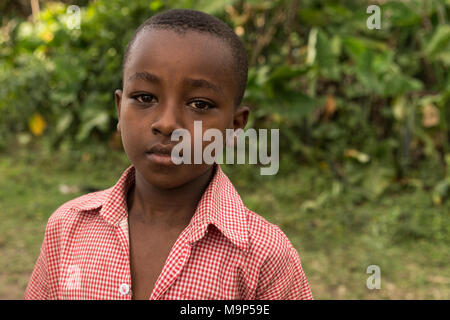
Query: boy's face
(169,82)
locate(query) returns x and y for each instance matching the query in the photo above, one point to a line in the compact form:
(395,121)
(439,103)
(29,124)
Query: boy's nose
(167,120)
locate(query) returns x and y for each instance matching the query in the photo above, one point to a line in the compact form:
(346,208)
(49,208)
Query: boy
(167,231)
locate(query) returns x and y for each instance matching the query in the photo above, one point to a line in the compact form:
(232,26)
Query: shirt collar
(219,205)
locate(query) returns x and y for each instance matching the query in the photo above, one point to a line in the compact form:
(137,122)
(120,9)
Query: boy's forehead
(202,54)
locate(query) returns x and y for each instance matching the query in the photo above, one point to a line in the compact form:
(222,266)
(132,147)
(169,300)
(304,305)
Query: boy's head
(182,21)
(180,66)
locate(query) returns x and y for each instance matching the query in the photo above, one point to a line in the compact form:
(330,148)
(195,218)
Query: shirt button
(124,288)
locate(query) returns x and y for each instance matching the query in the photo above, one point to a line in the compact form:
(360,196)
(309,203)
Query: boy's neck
(166,208)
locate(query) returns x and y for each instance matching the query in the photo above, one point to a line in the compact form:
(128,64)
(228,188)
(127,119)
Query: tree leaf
(439,41)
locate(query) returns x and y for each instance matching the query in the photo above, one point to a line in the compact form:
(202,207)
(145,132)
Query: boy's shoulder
(267,238)
(84,203)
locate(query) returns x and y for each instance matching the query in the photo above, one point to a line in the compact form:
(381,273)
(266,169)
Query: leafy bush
(347,99)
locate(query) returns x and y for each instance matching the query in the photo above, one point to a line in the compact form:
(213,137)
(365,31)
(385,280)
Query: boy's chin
(166,178)
(163,183)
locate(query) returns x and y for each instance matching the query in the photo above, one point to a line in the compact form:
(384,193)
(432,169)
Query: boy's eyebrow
(145,76)
(202,83)
(194,83)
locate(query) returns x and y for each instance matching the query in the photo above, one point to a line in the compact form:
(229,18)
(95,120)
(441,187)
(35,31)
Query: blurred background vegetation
(364,118)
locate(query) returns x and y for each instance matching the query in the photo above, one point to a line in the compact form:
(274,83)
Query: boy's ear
(240,117)
(118,96)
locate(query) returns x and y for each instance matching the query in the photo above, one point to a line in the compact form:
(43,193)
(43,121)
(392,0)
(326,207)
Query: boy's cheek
(131,143)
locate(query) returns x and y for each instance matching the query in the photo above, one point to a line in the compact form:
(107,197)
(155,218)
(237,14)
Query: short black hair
(183,20)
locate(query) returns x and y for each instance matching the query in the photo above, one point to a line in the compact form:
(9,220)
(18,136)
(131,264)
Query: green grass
(337,229)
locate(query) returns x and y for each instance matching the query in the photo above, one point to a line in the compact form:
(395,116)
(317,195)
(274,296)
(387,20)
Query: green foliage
(352,101)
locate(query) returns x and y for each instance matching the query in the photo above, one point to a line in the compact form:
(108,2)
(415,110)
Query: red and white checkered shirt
(226,251)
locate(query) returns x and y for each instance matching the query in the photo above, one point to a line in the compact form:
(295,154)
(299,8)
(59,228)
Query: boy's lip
(160,149)
(160,154)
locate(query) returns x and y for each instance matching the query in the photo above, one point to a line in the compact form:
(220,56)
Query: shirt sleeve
(282,278)
(37,288)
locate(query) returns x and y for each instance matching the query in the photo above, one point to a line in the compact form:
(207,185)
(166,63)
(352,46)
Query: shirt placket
(175,262)
(124,285)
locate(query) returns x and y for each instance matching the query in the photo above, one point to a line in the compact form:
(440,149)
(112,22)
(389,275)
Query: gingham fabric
(226,251)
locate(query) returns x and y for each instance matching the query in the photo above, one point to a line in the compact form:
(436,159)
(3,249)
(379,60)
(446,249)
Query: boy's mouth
(161,154)
(160,149)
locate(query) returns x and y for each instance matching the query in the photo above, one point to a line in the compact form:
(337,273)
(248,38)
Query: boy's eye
(144,98)
(201,105)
